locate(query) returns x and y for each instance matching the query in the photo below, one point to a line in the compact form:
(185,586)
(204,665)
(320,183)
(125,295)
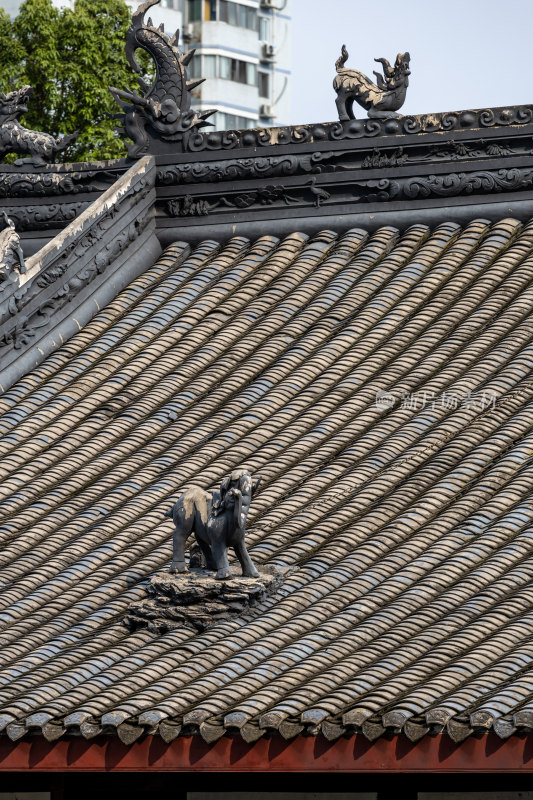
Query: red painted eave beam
(188,754)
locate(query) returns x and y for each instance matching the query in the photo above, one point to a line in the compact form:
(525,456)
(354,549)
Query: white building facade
(242,49)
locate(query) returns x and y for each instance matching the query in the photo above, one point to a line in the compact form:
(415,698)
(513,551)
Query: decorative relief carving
(21,334)
(448,185)
(190,206)
(317,163)
(381,100)
(459,151)
(44,184)
(242,168)
(92,236)
(495,149)
(86,252)
(320,195)
(15,138)
(450,151)
(432,123)
(377,159)
(264,196)
(360,191)
(46,216)
(26,327)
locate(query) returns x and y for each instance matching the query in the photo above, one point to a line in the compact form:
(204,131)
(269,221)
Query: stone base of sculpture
(197,600)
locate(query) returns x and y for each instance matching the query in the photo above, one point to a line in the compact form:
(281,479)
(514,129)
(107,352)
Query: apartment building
(243,49)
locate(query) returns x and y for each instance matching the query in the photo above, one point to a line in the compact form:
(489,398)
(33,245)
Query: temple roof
(380,384)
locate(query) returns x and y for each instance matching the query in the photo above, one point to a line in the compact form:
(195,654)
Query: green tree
(70,57)
(11,52)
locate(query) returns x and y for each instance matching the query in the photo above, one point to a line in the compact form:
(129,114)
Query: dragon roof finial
(162,113)
(381,100)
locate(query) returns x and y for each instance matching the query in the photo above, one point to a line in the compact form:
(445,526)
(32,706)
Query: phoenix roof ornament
(381,100)
(162,113)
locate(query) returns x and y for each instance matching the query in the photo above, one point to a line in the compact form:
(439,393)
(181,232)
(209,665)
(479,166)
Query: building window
(200,10)
(195,10)
(195,67)
(251,73)
(210,67)
(263,83)
(264,29)
(239,72)
(226,122)
(233,69)
(224,68)
(237,14)
(241,16)
(230,69)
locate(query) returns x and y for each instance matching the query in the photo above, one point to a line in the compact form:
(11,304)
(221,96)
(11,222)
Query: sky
(464,53)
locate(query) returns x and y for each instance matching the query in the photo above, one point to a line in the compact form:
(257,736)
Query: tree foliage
(70,57)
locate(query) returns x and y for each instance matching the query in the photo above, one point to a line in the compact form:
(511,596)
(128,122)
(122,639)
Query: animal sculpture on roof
(163,110)
(381,100)
(218,521)
(15,138)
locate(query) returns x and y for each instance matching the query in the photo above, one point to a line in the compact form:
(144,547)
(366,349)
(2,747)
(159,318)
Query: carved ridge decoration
(76,250)
(377,159)
(189,206)
(42,217)
(26,327)
(242,169)
(458,151)
(358,191)
(448,151)
(238,169)
(360,128)
(77,246)
(319,162)
(63,180)
(50,184)
(449,185)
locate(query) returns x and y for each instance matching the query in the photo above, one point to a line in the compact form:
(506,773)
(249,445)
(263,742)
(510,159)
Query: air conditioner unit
(187,32)
(266,4)
(265,110)
(268,52)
